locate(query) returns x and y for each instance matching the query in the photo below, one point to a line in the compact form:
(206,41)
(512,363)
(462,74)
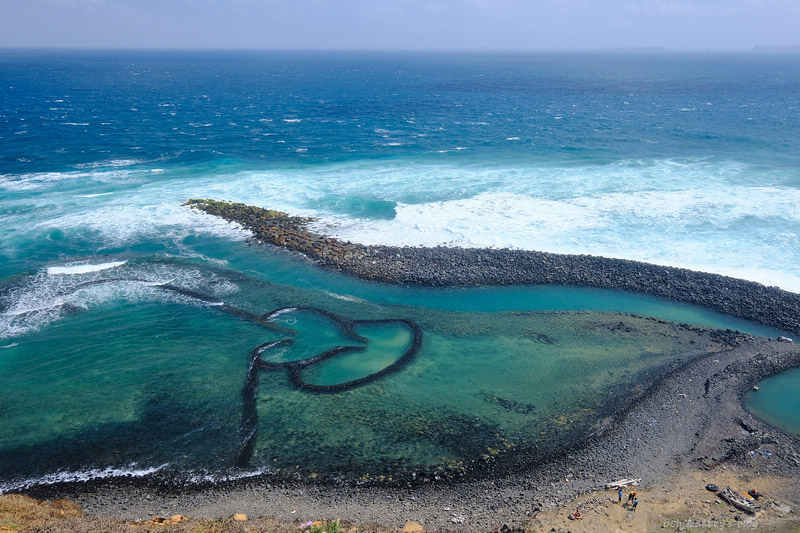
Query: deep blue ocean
(683,159)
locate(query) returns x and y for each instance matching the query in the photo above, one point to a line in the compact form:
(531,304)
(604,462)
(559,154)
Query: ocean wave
(53,292)
(700,229)
(698,213)
(345,297)
(95,195)
(79,476)
(122,221)
(279,312)
(36,181)
(82,268)
(115,163)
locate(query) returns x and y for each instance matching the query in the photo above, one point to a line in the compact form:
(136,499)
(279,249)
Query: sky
(400,24)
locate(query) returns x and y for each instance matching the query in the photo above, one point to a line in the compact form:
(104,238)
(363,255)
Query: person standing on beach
(635,503)
(631,496)
(619,496)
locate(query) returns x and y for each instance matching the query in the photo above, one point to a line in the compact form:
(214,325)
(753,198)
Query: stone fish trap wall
(442,266)
(248,428)
(249,425)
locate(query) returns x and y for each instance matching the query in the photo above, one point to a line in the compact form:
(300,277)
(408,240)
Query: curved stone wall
(442,266)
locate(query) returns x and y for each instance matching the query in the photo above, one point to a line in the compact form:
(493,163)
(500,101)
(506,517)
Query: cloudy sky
(400,24)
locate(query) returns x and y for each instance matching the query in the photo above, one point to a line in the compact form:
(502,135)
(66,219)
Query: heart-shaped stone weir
(328,347)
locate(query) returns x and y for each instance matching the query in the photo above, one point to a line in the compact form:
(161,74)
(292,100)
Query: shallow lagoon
(778,401)
(132,375)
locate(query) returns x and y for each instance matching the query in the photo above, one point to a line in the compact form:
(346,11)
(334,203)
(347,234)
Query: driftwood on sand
(740,500)
(623,483)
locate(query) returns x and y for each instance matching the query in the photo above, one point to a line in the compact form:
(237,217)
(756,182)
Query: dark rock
(440,266)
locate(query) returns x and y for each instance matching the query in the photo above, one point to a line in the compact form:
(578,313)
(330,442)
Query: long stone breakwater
(448,266)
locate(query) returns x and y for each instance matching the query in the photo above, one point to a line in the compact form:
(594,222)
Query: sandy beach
(689,429)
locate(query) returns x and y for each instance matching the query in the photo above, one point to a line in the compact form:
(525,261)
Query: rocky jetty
(445,266)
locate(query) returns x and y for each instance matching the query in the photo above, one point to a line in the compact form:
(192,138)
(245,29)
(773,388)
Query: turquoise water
(778,401)
(128,322)
(131,375)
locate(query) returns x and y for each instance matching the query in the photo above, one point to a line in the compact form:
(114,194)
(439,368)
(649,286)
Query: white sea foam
(46,180)
(718,216)
(96,195)
(216,477)
(44,298)
(33,181)
(110,163)
(345,297)
(122,221)
(279,312)
(77,476)
(82,268)
(695,214)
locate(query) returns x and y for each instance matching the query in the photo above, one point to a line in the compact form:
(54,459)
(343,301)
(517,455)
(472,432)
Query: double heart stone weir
(249,425)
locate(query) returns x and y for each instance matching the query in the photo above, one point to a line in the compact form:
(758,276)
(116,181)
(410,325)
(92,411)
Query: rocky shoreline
(690,420)
(443,266)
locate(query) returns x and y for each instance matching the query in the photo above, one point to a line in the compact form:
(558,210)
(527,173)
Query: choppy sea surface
(126,327)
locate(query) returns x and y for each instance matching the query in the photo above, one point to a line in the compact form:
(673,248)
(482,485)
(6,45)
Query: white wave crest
(345,297)
(279,312)
(699,229)
(110,163)
(208,477)
(82,268)
(96,195)
(79,476)
(45,298)
(37,181)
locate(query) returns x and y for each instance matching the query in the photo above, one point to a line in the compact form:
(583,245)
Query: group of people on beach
(633,501)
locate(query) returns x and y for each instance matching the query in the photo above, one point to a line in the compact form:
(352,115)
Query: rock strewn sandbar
(445,266)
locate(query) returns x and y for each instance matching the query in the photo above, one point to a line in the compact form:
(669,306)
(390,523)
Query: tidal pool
(777,401)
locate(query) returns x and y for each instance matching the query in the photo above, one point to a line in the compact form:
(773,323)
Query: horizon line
(619,49)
